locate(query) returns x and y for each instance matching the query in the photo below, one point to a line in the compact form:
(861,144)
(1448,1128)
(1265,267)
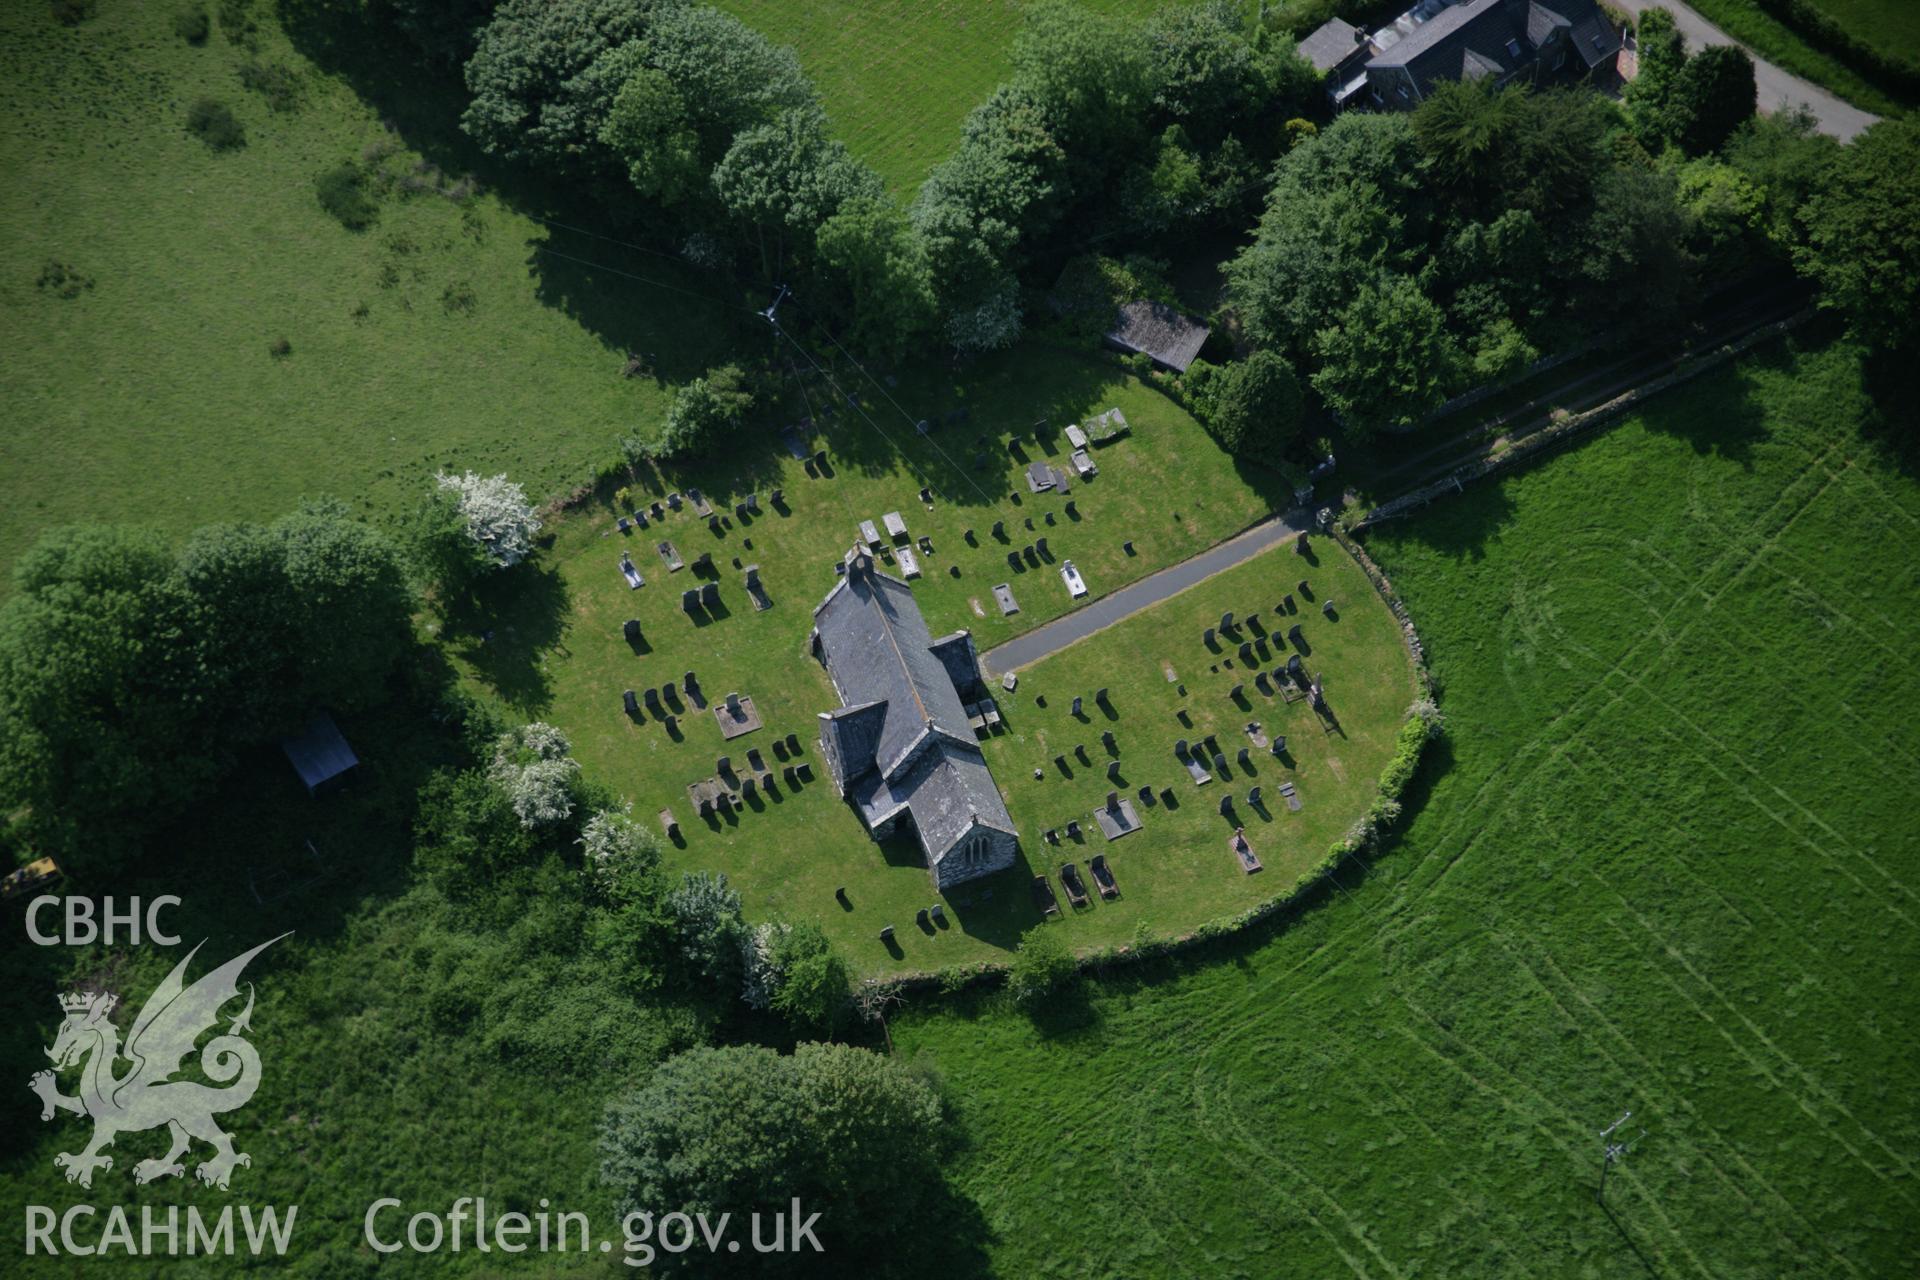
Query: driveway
(1044,641)
(1776,88)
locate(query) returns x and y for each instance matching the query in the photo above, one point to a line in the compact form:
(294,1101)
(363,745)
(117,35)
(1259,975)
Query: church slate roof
(902,740)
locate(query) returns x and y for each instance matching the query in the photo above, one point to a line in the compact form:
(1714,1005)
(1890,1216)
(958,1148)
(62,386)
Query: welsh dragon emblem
(145,1095)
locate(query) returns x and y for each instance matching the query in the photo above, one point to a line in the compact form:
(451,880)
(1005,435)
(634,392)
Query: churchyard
(558,647)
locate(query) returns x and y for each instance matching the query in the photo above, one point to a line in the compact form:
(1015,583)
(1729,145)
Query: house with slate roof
(1537,41)
(900,749)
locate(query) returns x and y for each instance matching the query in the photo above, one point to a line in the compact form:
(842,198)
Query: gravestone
(1181,749)
(631,702)
(747,787)
(1108,741)
(652,699)
(1226,620)
(756,761)
(690,683)
(792,777)
(1113,770)
(733,704)
(1000,529)
(1127,547)
(1289,605)
(724,766)
(1280,745)
(1243,757)
(690,600)
(632,629)
(1100,696)
(1045,552)
(1304,589)
(1072,510)
(1326,607)
(753,503)
(710,595)
(1206,637)
(1076,704)
(1246,652)
(1073,830)
(1049,517)
(1253,798)
(1226,806)
(1300,546)
(1236,693)
(1265,686)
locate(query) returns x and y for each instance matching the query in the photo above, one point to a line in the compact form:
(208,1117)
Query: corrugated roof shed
(319,753)
(1155,329)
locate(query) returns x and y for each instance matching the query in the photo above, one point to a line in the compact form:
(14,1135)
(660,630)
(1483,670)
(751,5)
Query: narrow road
(1046,640)
(1776,88)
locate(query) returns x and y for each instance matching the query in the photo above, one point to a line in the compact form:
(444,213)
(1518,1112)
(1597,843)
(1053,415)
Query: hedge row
(1829,35)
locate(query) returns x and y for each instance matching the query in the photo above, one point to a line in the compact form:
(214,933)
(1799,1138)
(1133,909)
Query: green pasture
(444,335)
(549,639)
(1664,862)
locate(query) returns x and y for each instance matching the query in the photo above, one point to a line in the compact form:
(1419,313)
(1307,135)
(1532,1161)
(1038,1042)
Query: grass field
(441,335)
(1666,864)
(1893,23)
(557,650)
(899,76)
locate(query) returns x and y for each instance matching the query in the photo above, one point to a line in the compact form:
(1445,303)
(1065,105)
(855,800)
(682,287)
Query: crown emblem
(85,1001)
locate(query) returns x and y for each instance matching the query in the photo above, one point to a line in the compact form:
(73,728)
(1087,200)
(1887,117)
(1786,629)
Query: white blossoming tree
(499,518)
(533,766)
(613,845)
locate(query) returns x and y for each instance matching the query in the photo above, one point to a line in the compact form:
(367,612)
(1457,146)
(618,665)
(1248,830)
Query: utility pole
(780,297)
(1612,1150)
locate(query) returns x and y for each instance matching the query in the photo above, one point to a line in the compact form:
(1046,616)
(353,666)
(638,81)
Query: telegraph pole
(1611,1150)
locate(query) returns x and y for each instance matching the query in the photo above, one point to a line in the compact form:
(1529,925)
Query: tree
(1787,159)
(1465,128)
(707,912)
(1252,406)
(1633,262)
(876,266)
(649,128)
(1713,96)
(100,738)
(615,849)
(1650,94)
(853,1136)
(728,76)
(499,519)
(812,989)
(989,324)
(348,607)
(1003,185)
(1863,236)
(534,769)
(1387,359)
(533,100)
(1346,206)
(784,178)
(702,409)
(1041,966)
(1090,73)
(1202,70)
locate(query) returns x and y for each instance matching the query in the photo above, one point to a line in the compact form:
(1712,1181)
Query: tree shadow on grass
(630,299)
(507,626)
